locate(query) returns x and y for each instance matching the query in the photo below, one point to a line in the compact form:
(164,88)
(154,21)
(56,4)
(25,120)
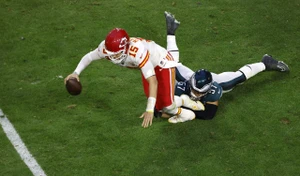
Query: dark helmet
(201,81)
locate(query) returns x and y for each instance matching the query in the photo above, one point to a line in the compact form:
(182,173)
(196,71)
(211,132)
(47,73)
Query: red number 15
(133,50)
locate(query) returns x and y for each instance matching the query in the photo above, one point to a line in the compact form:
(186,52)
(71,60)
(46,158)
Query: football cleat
(175,119)
(172,23)
(194,105)
(185,115)
(157,114)
(273,64)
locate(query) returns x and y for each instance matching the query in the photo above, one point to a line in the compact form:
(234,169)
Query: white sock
(252,69)
(172,47)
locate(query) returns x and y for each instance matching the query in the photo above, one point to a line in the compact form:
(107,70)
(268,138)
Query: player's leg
(182,72)
(274,65)
(172,24)
(165,95)
(228,80)
(268,63)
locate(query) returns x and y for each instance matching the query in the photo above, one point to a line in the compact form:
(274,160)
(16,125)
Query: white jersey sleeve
(143,59)
(148,70)
(98,53)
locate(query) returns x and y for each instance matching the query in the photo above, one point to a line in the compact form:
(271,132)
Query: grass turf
(255,132)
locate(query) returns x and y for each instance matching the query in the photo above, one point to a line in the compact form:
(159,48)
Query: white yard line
(17,142)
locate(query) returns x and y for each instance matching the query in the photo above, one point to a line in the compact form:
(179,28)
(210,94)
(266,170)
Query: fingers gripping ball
(73,86)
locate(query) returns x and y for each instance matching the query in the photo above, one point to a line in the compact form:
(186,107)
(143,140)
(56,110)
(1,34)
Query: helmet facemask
(195,95)
(200,84)
(117,57)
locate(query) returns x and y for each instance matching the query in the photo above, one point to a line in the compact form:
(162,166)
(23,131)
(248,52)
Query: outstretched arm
(84,62)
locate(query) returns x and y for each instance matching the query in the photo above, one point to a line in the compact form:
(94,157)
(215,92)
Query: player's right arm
(86,61)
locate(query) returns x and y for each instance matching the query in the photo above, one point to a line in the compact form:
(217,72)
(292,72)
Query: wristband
(151,104)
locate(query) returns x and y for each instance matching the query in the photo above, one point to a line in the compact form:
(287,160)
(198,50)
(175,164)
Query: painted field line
(17,142)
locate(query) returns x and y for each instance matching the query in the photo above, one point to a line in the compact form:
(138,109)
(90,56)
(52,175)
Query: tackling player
(155,63)
(205,86)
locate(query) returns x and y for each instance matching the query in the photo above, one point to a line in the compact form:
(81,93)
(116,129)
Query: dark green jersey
(214,94)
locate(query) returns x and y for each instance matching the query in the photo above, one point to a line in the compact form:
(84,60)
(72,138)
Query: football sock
(172,47)
(252,69)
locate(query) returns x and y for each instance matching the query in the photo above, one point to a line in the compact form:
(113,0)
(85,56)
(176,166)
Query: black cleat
(157,114)
(172,23)
(273,64)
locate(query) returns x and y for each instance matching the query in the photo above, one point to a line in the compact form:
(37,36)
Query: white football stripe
(17,142)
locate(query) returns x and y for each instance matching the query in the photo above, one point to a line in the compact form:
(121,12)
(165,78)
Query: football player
(205,87)
(155,63)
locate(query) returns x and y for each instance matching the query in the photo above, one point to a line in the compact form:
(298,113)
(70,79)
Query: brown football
(73,86)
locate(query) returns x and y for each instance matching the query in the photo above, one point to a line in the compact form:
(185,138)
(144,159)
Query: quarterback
(155,63)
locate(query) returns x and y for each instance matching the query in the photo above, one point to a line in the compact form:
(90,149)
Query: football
(73,86)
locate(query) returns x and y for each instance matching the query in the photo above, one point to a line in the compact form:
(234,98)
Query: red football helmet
(116,45)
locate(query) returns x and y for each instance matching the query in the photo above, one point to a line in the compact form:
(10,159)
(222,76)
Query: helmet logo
(123,42)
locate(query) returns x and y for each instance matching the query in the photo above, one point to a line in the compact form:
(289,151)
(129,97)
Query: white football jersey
(142,54)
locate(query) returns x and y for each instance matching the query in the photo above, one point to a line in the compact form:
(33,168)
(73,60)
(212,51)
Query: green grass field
(256,130)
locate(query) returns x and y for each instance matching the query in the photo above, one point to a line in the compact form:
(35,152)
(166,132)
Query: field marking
(17,142)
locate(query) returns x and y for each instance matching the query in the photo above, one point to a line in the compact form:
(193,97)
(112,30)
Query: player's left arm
(211,103)
(210,111)
(148,72)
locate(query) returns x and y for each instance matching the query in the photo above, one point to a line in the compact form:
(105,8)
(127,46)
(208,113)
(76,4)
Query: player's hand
(148,117)
(73,75)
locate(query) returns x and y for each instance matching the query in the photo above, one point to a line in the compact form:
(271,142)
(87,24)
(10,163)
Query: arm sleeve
(86,60)
(209,112)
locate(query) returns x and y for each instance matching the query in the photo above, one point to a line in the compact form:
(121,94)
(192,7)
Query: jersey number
(213,91)
(133,50)
(181,85)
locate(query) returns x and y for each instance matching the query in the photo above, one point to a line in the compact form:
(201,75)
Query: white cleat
(175,119)
(185,115)
(194,105)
